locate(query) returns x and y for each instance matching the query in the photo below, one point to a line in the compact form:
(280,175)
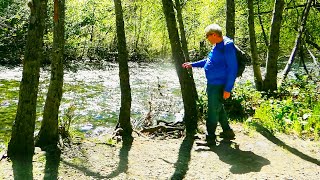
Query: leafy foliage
(13,27)
(91,36)
(294,109)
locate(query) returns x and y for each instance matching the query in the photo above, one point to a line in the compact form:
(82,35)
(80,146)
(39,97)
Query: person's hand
(226,95)
(186,65)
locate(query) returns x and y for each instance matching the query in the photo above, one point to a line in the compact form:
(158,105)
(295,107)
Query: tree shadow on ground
(52,163)
(184,158)
(122,167)
(241,162)
(85,170)
(267,134)
(123,163)
(22,168)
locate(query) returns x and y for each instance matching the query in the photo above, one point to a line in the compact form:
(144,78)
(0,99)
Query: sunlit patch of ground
(251,156)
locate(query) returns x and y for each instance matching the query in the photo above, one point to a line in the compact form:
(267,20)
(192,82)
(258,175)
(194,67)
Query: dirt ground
(255,154)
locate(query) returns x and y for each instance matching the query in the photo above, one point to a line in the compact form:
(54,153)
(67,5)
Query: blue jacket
(221,65)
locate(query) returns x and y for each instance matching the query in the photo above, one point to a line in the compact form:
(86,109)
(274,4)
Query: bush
(293,109)
(242,104)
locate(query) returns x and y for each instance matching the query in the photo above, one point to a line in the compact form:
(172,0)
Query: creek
(91,97)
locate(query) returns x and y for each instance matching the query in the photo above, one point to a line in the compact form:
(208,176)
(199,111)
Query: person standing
(221,71)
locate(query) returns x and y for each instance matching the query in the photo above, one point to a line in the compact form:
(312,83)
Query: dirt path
(255,154)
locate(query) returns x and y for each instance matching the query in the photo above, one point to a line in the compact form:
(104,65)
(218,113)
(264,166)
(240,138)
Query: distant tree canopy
(91,32)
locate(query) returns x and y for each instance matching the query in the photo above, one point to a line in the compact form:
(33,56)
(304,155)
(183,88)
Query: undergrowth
(293,109)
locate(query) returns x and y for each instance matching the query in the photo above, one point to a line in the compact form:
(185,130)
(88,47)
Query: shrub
(294,109)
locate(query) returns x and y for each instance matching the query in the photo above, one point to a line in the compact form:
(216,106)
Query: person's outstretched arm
(200,63)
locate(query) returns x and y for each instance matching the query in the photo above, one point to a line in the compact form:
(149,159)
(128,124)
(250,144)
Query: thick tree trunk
(124,117)
(298,40)
(21,144)
(253,45)
(270,81)
(48,134)
(230,22)
(185,79)
(184,42)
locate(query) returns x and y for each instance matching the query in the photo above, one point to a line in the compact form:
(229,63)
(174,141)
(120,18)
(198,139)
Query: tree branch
(286,8)
(313,44)
(313,58)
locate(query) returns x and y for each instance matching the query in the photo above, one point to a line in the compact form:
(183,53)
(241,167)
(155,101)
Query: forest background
(91,30)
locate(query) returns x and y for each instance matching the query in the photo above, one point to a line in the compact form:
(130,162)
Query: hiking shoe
(227,135)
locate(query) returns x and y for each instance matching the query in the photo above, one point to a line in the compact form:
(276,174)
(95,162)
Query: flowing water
(91,98)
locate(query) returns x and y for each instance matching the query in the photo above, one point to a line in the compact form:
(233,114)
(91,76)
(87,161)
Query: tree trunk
(253,45)
(313,58)
(184,42)
(182,31)
(230,22)
(265,38)
(48,134)
(298,40)
(137,30)
(21,144)
(124,117)
(270,82)
(302,58)
(185,79)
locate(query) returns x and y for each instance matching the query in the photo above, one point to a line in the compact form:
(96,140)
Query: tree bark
(270,81)
(230,22)
(124,117)
(314,59)
(182,31)
(253,45)
(184,42)
(298,40)
(185,79)
(302,58)
(262,28)
(48,134)
(21,144)
(137,30)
